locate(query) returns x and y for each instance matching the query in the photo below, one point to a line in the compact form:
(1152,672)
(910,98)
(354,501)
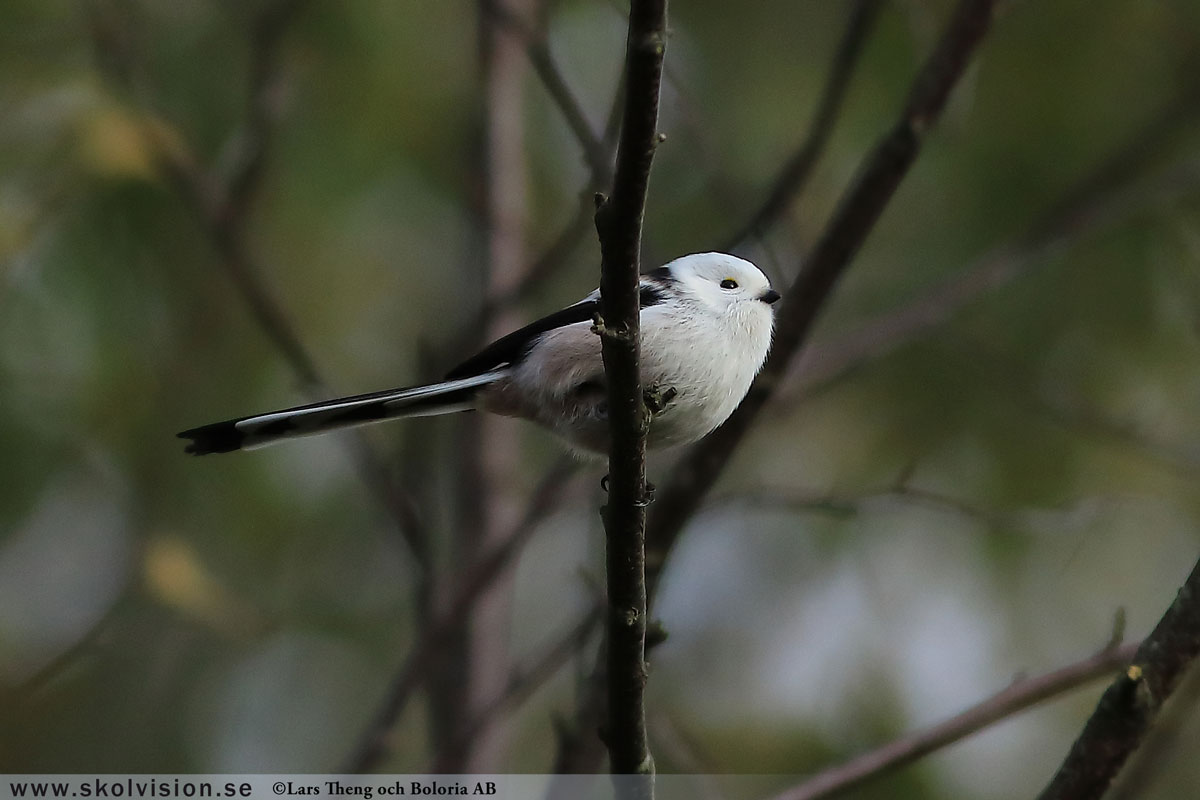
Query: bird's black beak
(769,296)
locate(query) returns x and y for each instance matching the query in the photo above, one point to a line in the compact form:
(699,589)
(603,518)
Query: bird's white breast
(708,357)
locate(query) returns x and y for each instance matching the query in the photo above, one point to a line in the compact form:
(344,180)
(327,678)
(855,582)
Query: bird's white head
(721,282)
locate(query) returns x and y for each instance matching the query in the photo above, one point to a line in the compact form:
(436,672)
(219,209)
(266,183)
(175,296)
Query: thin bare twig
(1020,696)
(849,505)
(219,208)
(524,680)
(1074,411)
(537,48)
(374,743)
(619,224)
(795,172)
(246,154)
(205,197)
(553,257)
(569,238)
(47,673)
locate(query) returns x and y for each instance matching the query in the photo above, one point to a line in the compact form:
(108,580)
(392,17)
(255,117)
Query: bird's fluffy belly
(560,385)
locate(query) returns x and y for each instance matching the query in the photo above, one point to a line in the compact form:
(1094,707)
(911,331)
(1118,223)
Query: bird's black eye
(729,283)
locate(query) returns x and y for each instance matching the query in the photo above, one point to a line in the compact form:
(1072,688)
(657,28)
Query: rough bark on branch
(619,225)
(1130,705)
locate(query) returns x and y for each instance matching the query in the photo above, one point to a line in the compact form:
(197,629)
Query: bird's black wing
(512,347)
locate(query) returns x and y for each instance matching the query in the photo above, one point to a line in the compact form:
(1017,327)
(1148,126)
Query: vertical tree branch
(879,176)
(1129,706)
(474,662)
(619,224)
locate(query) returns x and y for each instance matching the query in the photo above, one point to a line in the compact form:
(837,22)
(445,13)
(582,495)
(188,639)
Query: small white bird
(706,324)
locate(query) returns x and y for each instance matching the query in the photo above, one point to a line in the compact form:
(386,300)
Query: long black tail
(262,429)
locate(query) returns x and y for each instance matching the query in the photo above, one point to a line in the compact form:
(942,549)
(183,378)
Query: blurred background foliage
(888,547)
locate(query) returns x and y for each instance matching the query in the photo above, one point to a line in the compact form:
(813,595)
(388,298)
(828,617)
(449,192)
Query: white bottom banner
(371,787)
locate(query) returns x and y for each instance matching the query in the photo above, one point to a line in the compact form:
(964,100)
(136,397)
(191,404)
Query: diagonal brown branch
(1020,696)
(794,175)
(1106,196)
(1131,704)
(619,224)
(860,207)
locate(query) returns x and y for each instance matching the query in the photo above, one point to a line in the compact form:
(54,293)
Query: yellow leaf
(175,575)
